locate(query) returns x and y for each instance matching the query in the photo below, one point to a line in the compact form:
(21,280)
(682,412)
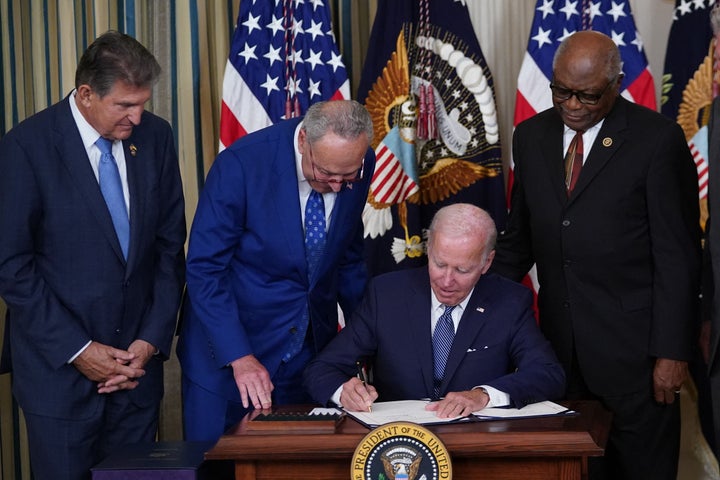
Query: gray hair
(345,118)
(116,56)
(612,58)
(465,220)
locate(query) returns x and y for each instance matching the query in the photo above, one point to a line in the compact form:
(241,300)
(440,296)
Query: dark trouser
(644,441)
(63,449)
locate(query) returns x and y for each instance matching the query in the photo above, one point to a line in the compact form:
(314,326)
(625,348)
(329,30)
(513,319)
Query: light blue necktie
(111,188)
(442,342)
(314,248)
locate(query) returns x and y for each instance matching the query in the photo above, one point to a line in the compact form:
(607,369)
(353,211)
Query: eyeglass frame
(582,96)
(347,181)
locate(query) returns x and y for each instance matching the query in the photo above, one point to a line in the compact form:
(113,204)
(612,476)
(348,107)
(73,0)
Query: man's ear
(84,94)
(488,262)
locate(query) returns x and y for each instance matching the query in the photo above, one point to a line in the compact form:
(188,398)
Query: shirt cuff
(72,359)
(497,398)
(336,396)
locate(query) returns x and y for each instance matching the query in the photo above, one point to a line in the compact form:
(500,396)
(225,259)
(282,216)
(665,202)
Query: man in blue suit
(497,355)
(92,285)
(258,309)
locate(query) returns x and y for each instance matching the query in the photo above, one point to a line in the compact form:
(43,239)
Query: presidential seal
(401,451)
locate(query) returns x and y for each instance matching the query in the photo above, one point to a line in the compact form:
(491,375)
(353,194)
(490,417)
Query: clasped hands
(357,396)
(112,368)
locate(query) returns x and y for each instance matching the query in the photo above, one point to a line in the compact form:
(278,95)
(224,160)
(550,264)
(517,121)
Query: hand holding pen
(357,394)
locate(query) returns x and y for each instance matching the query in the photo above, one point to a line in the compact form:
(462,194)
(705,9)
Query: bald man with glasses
(605,204)
(276,244)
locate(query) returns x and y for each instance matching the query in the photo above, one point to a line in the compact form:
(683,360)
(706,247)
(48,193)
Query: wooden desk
(527,449)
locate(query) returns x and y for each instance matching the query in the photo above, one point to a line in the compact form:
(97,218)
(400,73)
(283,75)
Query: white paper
(400,411)
(531,410)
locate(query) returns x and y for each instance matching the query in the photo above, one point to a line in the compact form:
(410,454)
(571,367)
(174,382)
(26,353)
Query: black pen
(362,375)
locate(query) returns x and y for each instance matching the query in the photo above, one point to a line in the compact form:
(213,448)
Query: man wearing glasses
(275,246)
(605,204)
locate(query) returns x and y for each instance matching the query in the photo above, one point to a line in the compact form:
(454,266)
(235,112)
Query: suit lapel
(71,151)
(286,202)
(418,307)
(471,323)
(608,141)
(135,158)
(551,149)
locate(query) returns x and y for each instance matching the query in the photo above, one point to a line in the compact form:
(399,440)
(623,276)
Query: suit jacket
(711,274)
(497,343)
(247,274)
(617,261)
(62,272)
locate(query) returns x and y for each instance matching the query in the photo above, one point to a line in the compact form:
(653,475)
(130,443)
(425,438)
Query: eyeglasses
(326,177)
(563,94)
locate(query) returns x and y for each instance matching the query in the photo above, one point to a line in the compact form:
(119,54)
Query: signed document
(400,411)
(414,411)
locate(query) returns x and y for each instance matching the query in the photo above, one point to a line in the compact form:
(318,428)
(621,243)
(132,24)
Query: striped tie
(573,161)
(442,341)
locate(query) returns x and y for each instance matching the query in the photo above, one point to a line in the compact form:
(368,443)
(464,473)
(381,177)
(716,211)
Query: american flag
(688,86)
(283,58)
(555,20)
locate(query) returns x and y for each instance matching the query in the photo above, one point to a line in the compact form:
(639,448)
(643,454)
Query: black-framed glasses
(327,177)
(563,94)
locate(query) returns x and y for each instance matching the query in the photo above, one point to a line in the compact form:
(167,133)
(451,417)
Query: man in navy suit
(257,310)
(497,356)
(617,253)
(91,309)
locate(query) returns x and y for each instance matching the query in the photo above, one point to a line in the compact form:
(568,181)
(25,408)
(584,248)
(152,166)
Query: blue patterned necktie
(442,341)
(314,247)
(111,188)
(314,230)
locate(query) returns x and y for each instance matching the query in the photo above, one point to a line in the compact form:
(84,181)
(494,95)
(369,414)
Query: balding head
(586,78)
(460,248)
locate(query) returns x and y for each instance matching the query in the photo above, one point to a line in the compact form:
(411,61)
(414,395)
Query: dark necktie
(442,341)
(573,161)
(111,188)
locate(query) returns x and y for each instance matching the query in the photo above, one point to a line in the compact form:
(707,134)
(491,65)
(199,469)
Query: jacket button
(293,330)
(566,223)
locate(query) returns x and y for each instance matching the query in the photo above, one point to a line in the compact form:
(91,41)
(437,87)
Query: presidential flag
(430,94)
(283,58)
(554,21)
(687,87)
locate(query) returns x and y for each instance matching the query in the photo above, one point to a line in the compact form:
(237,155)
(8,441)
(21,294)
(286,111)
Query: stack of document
(414,411)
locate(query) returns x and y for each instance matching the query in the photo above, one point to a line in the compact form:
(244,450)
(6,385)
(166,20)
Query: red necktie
(573,161)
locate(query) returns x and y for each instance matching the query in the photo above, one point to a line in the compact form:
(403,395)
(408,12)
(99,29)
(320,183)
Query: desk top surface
(584,434)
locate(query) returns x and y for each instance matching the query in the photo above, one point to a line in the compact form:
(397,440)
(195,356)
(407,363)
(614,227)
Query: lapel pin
(607,141)
(480,309)
(133,149)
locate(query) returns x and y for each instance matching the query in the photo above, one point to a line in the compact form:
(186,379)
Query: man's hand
(253,382)
(101,363)
(460,404)
(142,351)
(357,396)
(668,378)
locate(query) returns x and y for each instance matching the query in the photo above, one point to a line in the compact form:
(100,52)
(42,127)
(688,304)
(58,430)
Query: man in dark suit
(259,306)
(617,248)
(498,356)
(92,292)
